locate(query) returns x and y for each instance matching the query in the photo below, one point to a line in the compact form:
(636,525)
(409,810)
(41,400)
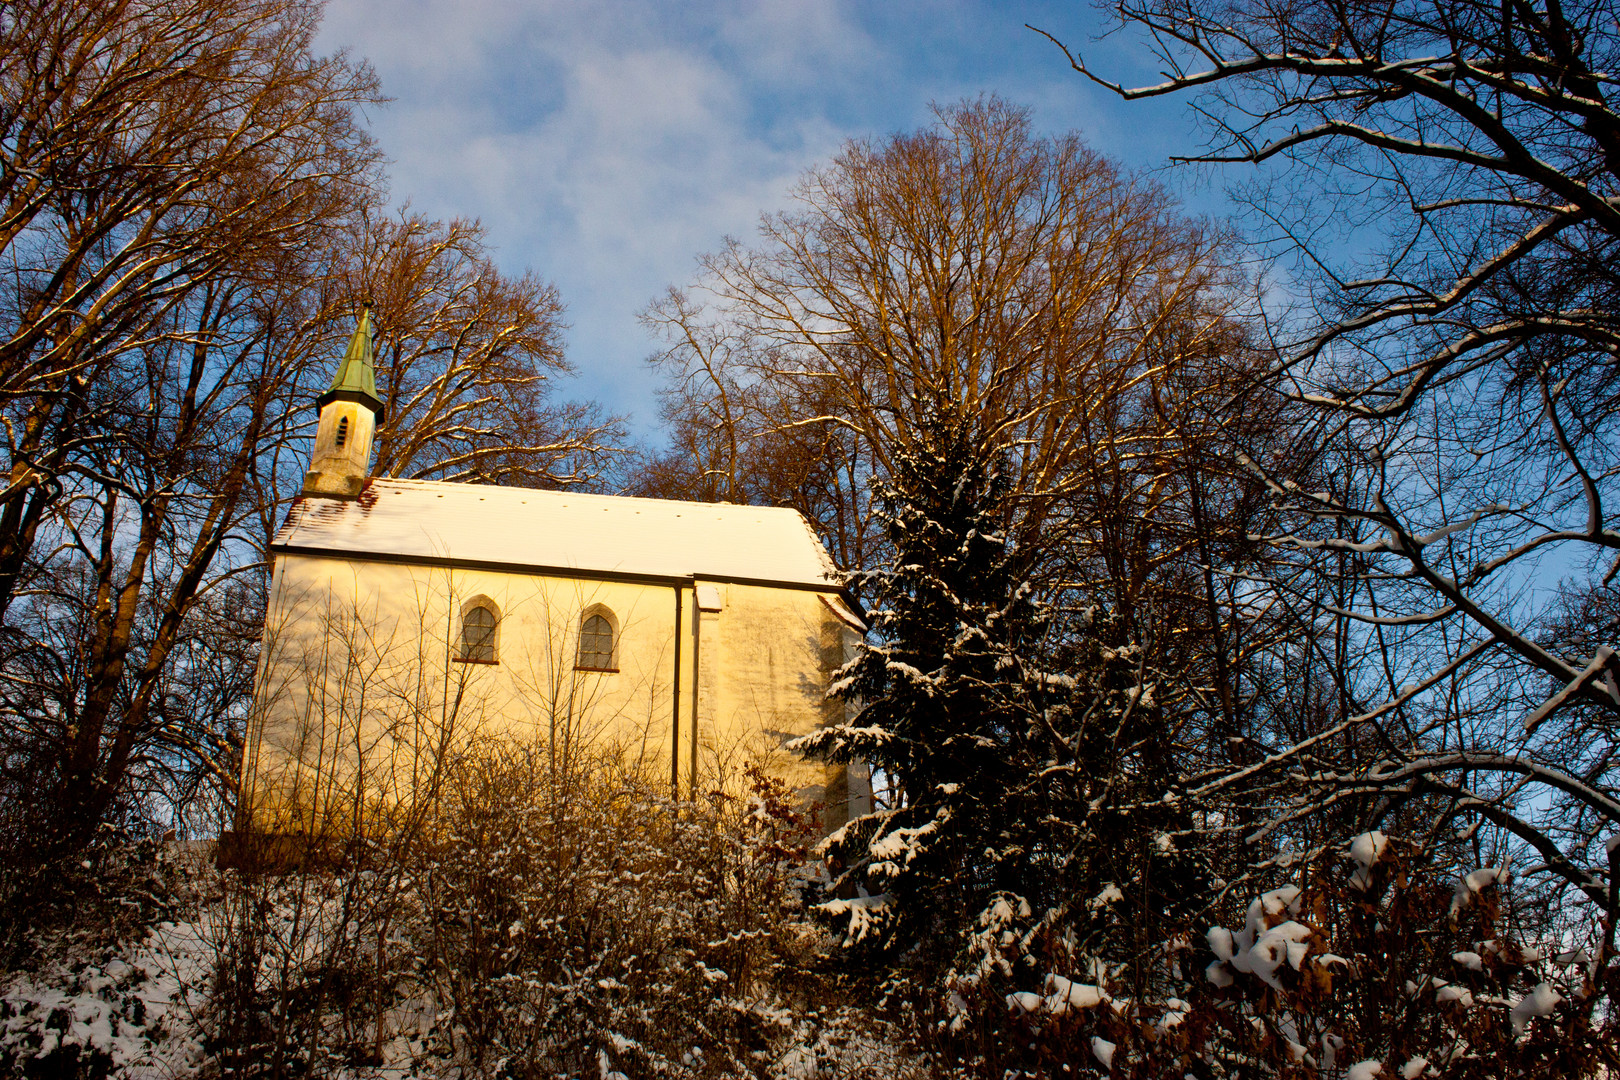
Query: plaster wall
(361,693)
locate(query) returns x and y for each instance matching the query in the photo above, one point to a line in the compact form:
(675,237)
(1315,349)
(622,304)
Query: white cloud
(795,42)
(606,145)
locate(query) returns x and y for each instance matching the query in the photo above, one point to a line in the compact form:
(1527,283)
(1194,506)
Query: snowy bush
(116,886)
(124,1010)
(1380,965)
(540,924)
(564,920)
(526,924)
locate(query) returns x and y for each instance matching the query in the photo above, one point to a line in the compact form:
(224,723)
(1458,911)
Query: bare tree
(1069,311)
(123,610)
(972,262)
(467,360)
(167,164)
(149,147)
(1443,172)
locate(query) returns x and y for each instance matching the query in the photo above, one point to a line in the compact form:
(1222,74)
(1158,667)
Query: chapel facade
(410,617)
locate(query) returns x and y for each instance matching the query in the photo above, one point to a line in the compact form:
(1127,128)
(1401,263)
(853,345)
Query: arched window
(598,641)
(342,430)
(480,623)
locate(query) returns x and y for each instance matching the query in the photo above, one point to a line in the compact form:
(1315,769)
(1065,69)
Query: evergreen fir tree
(943,687)
(1030,833)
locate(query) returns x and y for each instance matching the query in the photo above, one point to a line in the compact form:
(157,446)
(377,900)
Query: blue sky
(605,145)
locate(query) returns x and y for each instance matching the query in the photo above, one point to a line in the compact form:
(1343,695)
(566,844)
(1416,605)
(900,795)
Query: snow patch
(1063,995)
(1109,895)
(1259,949)
(1366,850)
(134,1013)
(1024,1001)
(1537,1003)
(867,914)
(1460,994)
(1472,884)
(1104,1050)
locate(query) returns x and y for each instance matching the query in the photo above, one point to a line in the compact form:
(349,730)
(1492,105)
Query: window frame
(605,613)
(479,603)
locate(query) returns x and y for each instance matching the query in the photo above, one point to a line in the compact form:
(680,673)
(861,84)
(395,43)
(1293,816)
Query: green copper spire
(356,378)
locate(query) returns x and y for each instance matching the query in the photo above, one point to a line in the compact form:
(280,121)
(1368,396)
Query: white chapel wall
(361,691)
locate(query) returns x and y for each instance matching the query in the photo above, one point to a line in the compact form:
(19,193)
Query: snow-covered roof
(524,529)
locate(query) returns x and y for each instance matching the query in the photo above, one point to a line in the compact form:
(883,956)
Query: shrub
(535,922)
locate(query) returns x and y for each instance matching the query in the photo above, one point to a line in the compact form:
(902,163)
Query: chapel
(409,617)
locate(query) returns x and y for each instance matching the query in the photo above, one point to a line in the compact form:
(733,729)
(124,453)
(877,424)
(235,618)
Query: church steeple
(350,411)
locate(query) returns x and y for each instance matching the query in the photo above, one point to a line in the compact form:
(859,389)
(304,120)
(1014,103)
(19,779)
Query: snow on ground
(132,1009)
